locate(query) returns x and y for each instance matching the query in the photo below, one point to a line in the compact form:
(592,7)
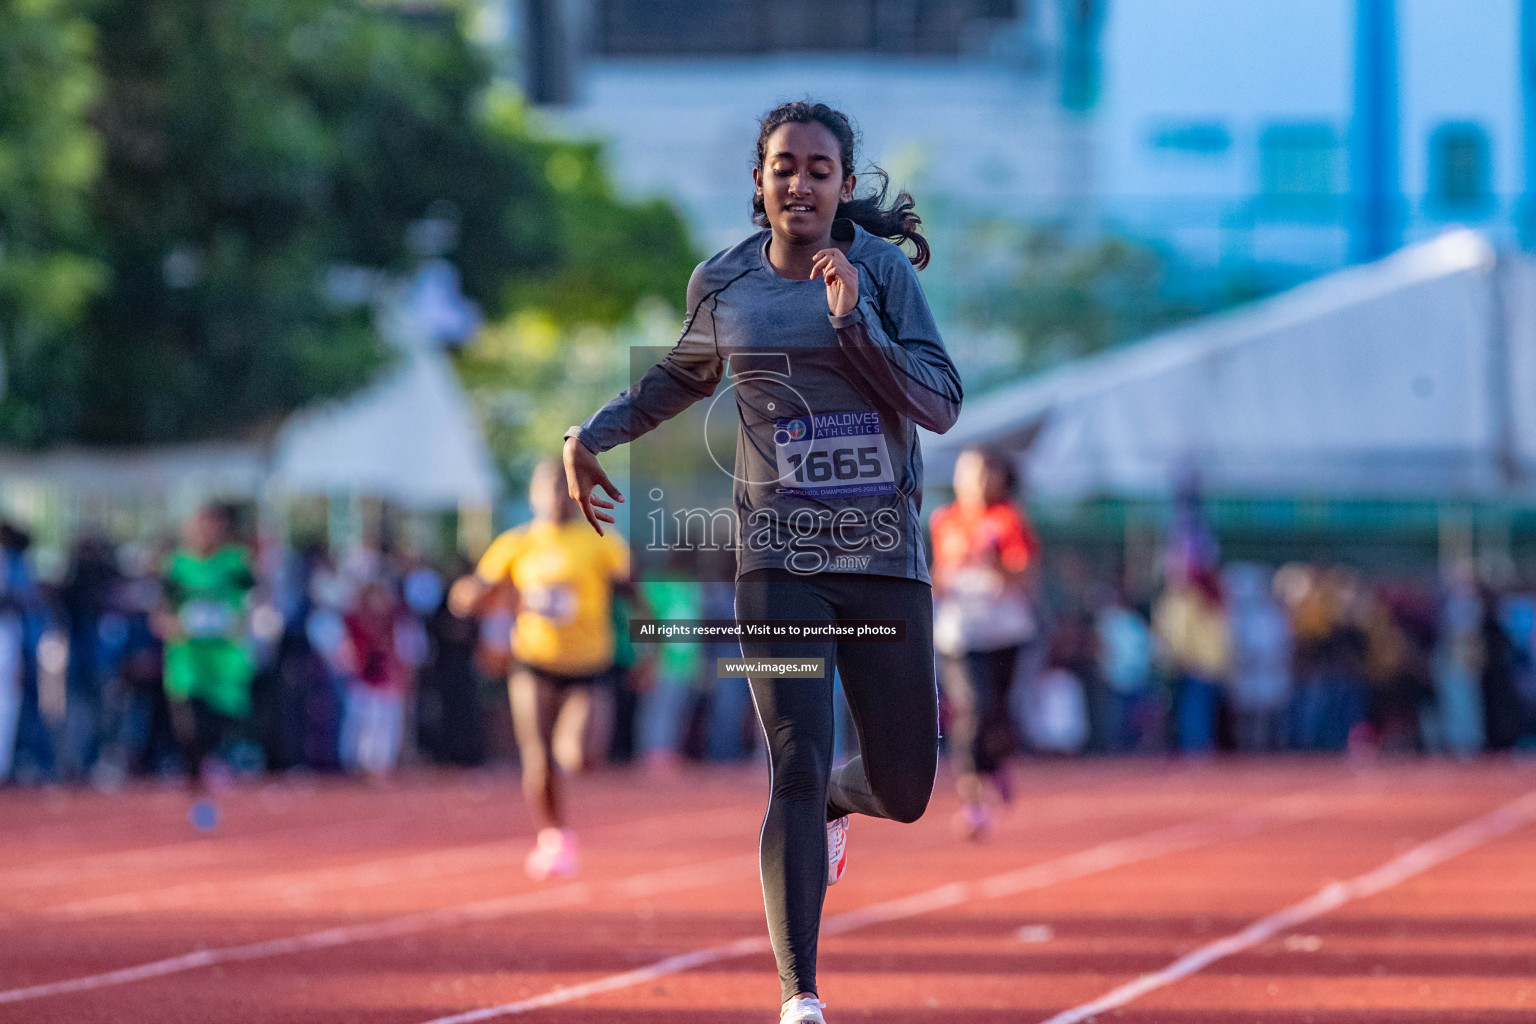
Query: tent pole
(1495,547)
(1455,539)
(1500,401)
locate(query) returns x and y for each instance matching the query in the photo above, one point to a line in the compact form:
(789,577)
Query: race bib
(556,602)
(834,454)
(207,620)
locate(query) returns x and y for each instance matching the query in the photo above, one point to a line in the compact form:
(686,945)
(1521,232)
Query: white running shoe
(803,1009)
(557,855)
(837,849)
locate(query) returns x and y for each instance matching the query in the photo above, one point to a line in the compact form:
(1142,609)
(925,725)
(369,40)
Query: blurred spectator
(373,723)
(32,753)
(1072,654)
(1457,723)
(1125,666)
(1261,660)
(452,718)
(1328,613)
(1395,666)
(295,665)
(982,549)
(1055,712)
(422,588)
(1503,716)
(675,674)
(146,738)
(1190,622)
(85,600)
(1348,653)
(1519,616)
(330,595)
(1399,629)
(732,723)
(630,679)
(10,681)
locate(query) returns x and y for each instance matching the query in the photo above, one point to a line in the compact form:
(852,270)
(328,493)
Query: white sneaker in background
(803,1009)
(837,850)
(557,855)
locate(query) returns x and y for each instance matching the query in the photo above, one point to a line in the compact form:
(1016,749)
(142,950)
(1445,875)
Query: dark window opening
(1460,168)
(720,27)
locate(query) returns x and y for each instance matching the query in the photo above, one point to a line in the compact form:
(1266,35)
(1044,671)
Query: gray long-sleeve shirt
(828,475)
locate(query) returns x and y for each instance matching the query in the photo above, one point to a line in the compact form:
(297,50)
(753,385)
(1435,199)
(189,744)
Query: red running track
(1139,891)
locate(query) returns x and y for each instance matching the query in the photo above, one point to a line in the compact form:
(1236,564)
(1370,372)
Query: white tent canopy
(410,437)
(1403,379)
(214,468)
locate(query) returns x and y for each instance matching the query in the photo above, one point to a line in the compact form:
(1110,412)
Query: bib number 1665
(820,465)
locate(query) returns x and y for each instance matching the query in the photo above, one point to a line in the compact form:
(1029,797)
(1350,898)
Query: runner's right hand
(582,476)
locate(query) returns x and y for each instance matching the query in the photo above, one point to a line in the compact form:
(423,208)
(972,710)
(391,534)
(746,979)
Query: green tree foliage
(251,146)
(596,257)
(1061,298)
(532,377)
(619,281)
(48,162)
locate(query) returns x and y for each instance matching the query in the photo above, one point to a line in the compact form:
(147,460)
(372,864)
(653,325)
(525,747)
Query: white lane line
(211,849)
(185,853)
(1116,853)
(304,887)
(261,822)
(300,888)
(294,888)
(684,876)
(647,884)
(1421,858)
(659,969)
(206,849)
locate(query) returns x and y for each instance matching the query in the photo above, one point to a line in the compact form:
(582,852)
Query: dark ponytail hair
(896,222)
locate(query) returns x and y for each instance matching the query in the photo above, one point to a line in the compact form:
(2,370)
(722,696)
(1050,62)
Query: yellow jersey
(564,575)
(1193,632)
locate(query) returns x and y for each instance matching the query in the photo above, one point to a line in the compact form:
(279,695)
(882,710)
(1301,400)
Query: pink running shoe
(837,849)
(556,855)
(973,822)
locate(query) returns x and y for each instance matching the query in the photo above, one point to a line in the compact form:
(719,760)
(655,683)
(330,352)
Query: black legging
(199,731)
(891,692)
(977,686)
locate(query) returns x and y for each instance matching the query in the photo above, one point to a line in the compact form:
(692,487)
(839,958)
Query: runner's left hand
(466,595)
(832,266)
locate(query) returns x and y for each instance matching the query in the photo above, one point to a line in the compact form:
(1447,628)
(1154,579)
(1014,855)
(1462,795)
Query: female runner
(983,551)
(827,482)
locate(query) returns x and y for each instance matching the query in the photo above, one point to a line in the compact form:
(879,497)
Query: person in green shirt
(208,661)
(677,673)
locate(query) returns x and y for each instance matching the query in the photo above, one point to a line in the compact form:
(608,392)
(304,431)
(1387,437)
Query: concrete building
(960,100)
(1294,136)
(1270,139)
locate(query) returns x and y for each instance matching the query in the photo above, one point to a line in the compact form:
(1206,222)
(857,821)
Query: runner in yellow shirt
(561,577)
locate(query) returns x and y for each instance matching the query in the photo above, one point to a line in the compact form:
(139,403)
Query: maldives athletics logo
(789,431)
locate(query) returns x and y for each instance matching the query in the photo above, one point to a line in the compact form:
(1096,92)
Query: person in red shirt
(983,550)
(374,723)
